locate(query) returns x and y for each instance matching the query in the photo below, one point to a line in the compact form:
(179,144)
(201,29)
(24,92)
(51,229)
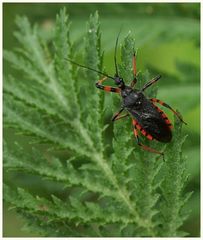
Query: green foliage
(112,188)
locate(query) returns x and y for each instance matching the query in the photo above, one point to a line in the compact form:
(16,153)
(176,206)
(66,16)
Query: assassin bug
(149,119)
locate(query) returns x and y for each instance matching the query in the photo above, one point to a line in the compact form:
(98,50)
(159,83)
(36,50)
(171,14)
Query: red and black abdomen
(157,128)
(153,121)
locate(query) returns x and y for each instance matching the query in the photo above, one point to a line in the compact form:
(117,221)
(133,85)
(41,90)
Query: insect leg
(123,116)
(134,72)
(167,106)
(117,117)
(142,145)
(148,84)
(106,88)
(117,114)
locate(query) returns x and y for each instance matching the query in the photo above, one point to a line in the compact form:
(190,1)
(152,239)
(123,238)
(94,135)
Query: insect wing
(152,122)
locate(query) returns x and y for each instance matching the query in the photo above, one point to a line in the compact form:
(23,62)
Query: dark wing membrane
(157,128)
(152,122)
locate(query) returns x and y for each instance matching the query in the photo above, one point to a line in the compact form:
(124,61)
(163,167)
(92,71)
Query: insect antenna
(89,68)
(115,53)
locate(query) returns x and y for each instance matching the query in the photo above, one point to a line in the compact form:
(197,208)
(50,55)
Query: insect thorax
(132,97)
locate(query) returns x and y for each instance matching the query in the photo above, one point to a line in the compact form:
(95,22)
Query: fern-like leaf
(110,191)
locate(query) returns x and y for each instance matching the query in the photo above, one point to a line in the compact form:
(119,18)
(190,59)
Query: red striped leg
(167,106)
(106,88)
(134,72)
(151,82)
(146,148)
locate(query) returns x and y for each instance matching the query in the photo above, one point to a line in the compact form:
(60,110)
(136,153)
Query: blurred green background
(168,38)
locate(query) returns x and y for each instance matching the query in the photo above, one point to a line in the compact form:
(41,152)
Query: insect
(147,118)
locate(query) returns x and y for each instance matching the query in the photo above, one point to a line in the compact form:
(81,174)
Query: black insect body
(147,118)
(146,114)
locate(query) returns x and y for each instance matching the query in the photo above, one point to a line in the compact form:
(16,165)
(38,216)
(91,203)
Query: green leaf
(111,187)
